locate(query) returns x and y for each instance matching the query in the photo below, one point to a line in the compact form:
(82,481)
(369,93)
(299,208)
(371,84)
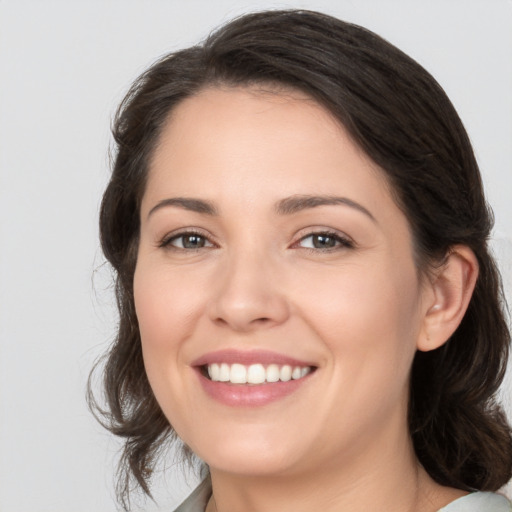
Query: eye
(324,241)
(186,241)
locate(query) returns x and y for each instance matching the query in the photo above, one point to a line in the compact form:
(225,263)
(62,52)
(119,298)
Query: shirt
(474,502)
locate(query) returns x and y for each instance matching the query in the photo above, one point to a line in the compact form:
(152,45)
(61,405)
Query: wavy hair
(402,119)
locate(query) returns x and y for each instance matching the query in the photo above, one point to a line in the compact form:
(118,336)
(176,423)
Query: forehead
(233,142)
(257,112)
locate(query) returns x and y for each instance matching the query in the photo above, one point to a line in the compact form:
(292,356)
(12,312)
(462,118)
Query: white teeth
(272,373)
(286,373)
(213,371)
(296,373)
(238,374)
(224,372)
(255,373)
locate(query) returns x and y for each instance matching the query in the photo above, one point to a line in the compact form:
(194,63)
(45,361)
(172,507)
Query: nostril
(247,307)
(254,322)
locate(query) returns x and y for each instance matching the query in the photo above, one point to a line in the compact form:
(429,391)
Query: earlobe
(451,290)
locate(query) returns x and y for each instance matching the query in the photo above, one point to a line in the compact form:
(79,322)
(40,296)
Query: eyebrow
(287,206)
(298,203)
(191,204)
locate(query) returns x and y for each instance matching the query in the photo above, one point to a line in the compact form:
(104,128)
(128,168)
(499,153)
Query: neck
(391,482)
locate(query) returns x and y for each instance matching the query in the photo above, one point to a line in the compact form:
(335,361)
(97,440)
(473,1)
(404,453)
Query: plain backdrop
(64,66)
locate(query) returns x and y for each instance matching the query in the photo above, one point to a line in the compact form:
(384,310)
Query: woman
(306,297)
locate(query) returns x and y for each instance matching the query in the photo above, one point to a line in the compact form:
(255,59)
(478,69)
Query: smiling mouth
(254,373)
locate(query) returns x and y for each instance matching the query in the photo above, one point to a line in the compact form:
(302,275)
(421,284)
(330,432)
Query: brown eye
(193,241)
(324,241)
(188,241)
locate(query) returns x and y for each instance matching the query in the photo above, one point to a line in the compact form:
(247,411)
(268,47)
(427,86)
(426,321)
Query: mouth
(251,378)
(254,374)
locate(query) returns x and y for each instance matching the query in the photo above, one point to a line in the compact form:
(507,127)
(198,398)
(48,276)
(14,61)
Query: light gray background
(64,66)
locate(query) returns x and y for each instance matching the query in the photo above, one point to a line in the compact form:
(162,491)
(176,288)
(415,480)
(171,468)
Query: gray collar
(198,500)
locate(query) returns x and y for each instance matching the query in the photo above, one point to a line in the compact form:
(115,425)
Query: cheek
(166,305)
(368,317)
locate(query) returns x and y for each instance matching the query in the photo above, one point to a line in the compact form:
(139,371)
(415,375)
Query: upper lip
(248,357)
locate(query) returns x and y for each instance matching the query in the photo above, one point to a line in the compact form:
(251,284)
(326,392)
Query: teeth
(224,372)
(255,373)
(272,373)
(238,374)
(213,371)
(296,373)
(285,373)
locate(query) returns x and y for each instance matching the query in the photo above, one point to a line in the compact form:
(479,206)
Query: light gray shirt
(474,502)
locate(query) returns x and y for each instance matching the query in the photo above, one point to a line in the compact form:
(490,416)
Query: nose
(249,295)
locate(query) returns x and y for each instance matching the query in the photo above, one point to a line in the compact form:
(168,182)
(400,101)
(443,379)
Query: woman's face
(270,245)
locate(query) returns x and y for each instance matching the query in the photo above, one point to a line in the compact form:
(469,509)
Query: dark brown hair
(398,114)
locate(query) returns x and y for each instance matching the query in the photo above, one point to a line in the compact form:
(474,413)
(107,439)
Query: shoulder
(479,502)
(198,499)
(475,502)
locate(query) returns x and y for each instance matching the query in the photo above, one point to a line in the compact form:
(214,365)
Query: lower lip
(247,395)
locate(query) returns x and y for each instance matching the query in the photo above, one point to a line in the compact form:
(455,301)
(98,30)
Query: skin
(357,311)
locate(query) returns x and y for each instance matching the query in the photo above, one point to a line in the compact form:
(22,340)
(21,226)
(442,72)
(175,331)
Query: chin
(248,465)
(248,454)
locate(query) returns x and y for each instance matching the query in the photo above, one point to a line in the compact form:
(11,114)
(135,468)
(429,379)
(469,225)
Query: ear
(448,295)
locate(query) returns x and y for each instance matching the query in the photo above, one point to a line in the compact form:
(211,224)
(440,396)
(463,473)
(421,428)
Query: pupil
(323,241)
(193,242)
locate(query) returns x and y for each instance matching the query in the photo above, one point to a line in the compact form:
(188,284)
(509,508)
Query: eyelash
(166,242)
(341,242)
